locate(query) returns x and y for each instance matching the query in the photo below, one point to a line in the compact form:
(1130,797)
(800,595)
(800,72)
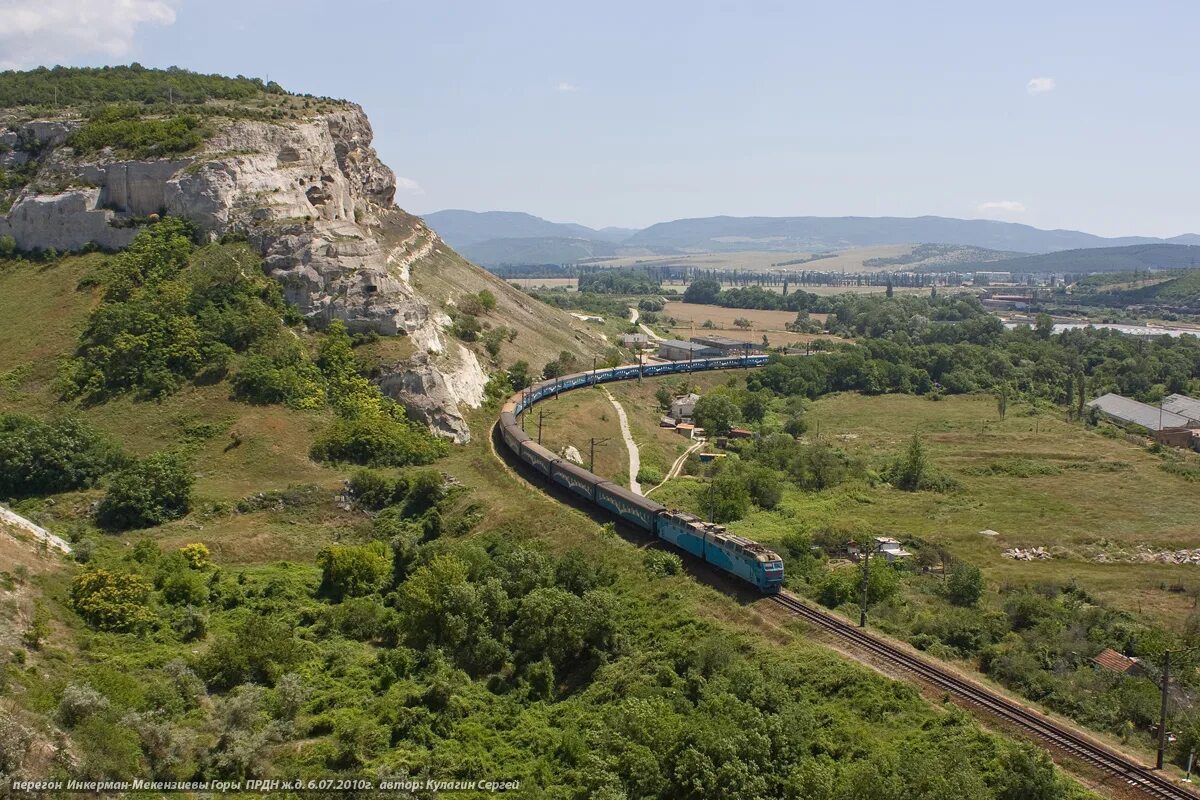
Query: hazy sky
(1059,114)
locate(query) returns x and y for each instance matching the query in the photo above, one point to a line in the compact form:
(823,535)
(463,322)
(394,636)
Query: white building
(683,407)
(890,548)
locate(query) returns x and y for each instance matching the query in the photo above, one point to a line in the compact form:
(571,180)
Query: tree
(518,375)
(354,570)
(890,290)
(663,396)
(754,406)
(911,471)
(716,413)
(48,457)
(728,496)
(702,290)
(112,601)
(152,491)
(1002,401)
(742,323)
(1043,326)
(487,300)
(964,586)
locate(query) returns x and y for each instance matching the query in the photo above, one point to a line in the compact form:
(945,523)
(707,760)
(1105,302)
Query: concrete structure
(683,407)
(1184,406)
(635,340)
(679,350)
(1126,411)
(890,548)
(730,347)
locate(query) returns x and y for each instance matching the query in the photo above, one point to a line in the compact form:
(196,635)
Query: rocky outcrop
(311,196)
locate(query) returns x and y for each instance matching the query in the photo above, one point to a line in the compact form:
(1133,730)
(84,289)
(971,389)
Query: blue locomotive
(747,559)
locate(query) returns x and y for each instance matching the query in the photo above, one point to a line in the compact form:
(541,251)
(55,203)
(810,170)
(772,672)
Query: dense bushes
(378,442)
(152,491)
(618,281)
(65,86)
(47,457)
(168,316)
(354,570)
(125,130)
(112,601)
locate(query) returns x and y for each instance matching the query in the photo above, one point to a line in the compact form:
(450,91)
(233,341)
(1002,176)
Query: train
(744,558)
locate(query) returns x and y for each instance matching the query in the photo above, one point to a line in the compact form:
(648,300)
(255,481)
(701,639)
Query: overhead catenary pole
(592,452)
(541,413)
(1162,710)
(862,608)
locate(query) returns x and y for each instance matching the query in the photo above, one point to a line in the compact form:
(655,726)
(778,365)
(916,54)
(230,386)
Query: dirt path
(633,315)
(635,456)
(677,467)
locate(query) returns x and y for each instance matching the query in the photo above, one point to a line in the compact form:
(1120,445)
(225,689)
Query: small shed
(1116,662)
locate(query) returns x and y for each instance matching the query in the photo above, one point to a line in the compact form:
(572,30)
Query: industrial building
(1127,411)
(1165,425)
(727,346)
(1184,406)
(679,350)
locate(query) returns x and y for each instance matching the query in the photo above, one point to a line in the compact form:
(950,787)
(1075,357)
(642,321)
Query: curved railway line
(1055,735)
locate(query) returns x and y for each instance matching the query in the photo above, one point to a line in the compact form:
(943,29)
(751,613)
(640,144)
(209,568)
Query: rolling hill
(1130,258)
(498,237)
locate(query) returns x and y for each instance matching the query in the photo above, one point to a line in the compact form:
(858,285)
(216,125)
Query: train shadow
(695,567)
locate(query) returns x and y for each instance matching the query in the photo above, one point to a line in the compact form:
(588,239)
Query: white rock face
(312,197)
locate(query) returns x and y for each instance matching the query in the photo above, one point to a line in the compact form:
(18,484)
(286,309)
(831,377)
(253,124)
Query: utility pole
(592,454)
(593,370)
(541,413)
(712,503)
(1162,711)
(862,608)
(641,356)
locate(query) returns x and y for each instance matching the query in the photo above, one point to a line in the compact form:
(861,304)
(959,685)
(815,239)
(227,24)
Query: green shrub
(660,563)
(112,601)
(964,585)
(372,490)
(123,129)
(354,570)
(283,374)
(258,649)
(152,491)
(379,442)
(170,315)
(48,457)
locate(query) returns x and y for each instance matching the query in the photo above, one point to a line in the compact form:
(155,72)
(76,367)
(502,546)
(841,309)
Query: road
(634,316)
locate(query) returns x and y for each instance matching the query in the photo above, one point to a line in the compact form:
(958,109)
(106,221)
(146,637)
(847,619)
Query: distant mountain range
(493,238)
(1130,258)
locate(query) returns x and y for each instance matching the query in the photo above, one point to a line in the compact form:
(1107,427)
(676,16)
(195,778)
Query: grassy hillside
(427,627)
(1131,258)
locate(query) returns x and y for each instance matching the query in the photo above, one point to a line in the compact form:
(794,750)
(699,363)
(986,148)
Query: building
(1112,660)
(679,350)
(1126,411)
(890,548)
(727,346)
(635,340)
(683,407)
(1184,406)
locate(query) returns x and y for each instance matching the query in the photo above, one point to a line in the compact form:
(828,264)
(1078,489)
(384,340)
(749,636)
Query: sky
(1077,115)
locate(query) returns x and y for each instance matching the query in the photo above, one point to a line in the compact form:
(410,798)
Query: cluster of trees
(65,86)
(411,644)
(129,133)
(168,316)
(46,457)
(618,281)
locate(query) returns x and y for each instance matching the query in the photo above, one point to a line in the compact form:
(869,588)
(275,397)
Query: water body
(1132,330)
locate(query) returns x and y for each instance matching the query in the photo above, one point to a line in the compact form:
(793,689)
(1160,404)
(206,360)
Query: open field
(850,260)
(692,316)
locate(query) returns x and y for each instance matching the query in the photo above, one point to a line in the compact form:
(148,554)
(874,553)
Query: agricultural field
(690,319)
(850,260)
(544,283)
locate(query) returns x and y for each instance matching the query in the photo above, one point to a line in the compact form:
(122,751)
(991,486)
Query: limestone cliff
(314,199)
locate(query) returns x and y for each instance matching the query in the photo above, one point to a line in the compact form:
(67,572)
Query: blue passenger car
(632,508)
(575,478)
(537,456)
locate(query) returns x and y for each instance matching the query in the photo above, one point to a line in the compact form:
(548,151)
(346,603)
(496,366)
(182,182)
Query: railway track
(1149,782)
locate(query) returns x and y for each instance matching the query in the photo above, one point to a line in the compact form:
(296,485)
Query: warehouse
(1184,406)
(729,347)
(679,350)
(1126,411)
